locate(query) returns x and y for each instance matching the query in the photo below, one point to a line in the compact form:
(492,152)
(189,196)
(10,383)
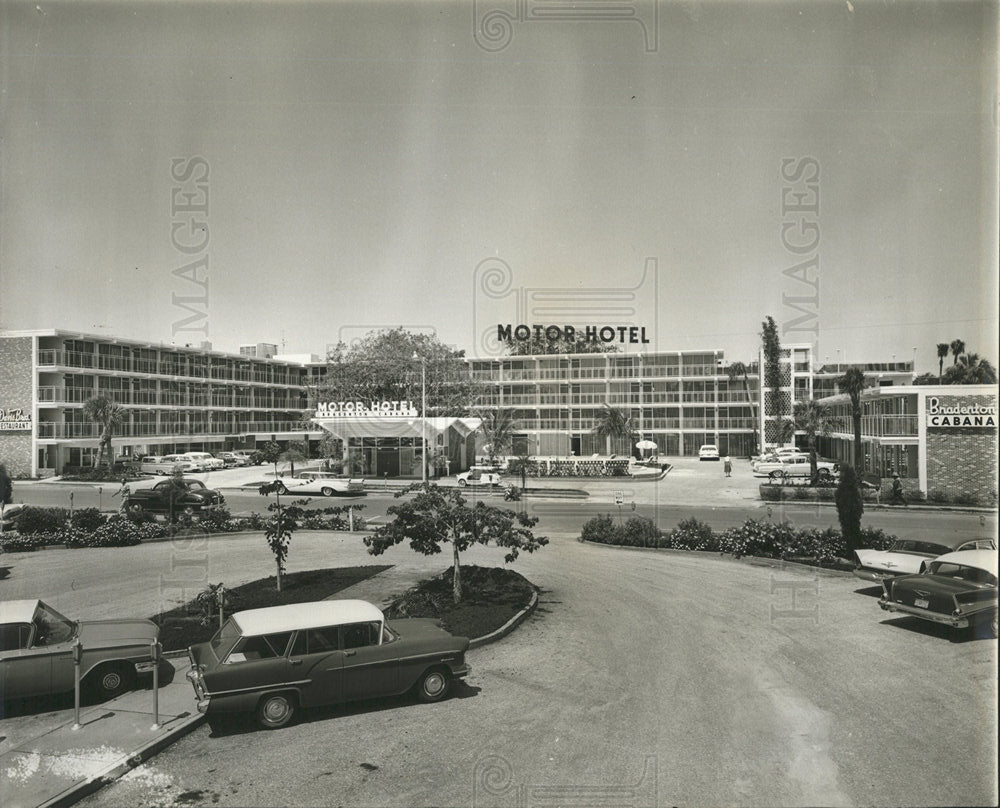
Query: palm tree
(814,419)
(852,383)
(735,371)
(498,427)
(615,424)
(971,369)
(957,348)
(942,351)
(107,414)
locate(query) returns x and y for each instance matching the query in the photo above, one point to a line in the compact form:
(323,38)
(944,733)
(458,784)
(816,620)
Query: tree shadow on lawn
(188,624)
(224,725)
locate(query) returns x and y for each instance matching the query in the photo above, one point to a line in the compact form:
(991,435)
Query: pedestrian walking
(727,466)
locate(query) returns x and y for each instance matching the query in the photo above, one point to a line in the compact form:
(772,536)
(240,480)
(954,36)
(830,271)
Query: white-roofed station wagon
(276,660)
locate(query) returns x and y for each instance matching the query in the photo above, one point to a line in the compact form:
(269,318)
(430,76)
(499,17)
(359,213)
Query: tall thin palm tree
(957,349)
(498,428)
(852,383)
(736,371)
(108,415)
(617,425)
(814,419)
(942,352)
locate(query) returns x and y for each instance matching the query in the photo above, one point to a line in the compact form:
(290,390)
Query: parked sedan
(325,483)
(186,495)
(273,661)
(36,651)
(478,475)
(708,452)
(908,557)
(958,589)
(795,466)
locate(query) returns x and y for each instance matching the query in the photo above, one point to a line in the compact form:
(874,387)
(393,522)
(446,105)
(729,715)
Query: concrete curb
(509,626)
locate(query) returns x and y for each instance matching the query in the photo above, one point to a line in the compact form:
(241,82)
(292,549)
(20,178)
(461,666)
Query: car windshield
(51,627)
(225,638)
(920,547)
(963,573)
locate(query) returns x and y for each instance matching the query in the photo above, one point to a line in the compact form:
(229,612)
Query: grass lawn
(182,626)
(490,597)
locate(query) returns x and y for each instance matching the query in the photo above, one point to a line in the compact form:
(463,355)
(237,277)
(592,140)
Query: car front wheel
(275,710)
(326,491)
(433,685)
(462,483)
(109,681)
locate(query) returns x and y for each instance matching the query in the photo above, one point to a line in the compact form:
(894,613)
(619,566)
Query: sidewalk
(62,764)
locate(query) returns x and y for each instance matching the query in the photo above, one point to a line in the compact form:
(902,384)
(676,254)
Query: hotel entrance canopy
(378,426)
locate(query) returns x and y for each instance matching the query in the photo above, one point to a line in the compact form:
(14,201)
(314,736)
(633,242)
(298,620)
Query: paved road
(565,515)
(683,678)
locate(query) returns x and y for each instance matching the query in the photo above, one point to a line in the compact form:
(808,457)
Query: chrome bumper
(870,575)
(924,614)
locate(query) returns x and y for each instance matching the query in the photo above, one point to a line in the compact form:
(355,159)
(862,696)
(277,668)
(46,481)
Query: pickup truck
(191,498)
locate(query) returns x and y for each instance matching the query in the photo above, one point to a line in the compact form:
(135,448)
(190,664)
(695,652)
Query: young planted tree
(617,425)
(292,455)
(270,452)
(850,507)
(108,415)
(737,370)
(278,528)
(853,383)
(437,516)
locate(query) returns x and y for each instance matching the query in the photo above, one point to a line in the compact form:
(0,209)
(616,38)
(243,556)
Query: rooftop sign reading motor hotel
(357,409)
(939,415)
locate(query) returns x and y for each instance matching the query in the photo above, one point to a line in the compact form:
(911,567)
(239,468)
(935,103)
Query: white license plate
(920,603)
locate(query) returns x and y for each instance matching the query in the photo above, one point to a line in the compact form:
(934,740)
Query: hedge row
(771,492)
(754,538)
(39,527)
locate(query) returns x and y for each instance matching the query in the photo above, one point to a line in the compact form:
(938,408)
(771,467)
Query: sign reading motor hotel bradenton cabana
(355,409)
(960,415)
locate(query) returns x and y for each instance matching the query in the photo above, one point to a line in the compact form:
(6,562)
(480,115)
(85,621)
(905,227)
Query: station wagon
(273,661)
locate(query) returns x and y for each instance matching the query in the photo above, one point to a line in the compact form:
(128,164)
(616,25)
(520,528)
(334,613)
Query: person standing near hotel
(727,466)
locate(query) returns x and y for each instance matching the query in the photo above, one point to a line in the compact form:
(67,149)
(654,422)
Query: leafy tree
(617,425)
(942,353)
(292,455)
(737,370)
(382,367)
(270,452)
(853,383)
(927,378)
(957,349)
(498,428)
(279,527)
(850,507)
(107,414)
(814,419)
(437,516)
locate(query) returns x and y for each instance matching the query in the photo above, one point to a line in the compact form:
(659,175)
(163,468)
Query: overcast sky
(379,164)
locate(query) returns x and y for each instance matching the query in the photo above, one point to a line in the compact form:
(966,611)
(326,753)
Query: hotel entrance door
(388,462)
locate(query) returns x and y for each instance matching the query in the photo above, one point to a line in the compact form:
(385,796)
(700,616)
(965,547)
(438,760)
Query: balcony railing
(77,430)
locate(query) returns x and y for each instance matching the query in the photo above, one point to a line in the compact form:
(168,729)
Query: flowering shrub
(14,542)
(641,532)
(116,532)
(34,519)
(600,529)
(87,519)
(691,535)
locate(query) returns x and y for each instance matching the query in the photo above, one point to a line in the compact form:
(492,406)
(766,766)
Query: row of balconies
(648,424)
(79,395)
(144,430)
(231,372)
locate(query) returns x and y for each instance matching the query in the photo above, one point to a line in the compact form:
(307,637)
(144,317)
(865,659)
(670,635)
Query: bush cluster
(754,537)
(13,541)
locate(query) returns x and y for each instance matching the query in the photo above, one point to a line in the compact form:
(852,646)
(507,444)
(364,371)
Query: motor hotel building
(180,398)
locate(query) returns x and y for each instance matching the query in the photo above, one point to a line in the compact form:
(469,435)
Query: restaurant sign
(959,415)
(362,409)
(14,420)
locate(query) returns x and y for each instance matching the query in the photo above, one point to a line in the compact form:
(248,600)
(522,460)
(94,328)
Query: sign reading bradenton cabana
(14,420)
(959,415)
(363,409)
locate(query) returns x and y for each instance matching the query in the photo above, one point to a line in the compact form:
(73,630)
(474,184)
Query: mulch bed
(490,597)
(183,626)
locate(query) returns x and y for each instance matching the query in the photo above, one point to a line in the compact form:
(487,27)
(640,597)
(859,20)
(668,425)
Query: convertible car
(36,651)
(275,660)
(909,556)
(958,589)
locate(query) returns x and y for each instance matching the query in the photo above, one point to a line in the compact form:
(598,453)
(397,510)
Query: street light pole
(423,417)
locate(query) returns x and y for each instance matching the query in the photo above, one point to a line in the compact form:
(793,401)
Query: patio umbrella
(645,444)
